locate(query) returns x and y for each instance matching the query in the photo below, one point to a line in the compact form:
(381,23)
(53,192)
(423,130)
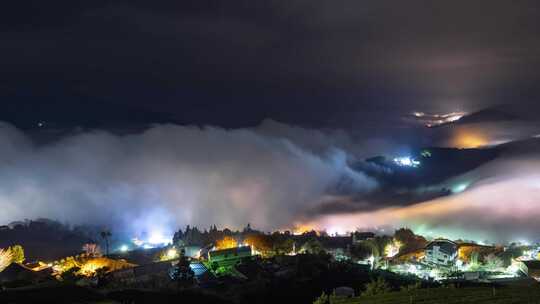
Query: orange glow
(88,267)
(465,251)
(303,228)
(416,255)
(469,139)
(260,243)
(91,266)
(226,242)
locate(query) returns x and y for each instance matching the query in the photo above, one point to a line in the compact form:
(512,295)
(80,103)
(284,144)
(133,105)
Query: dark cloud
(346,64)
(347,75)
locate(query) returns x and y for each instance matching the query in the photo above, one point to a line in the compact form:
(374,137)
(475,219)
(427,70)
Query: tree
(493,262)
(377,245)
(409,240)
(226,242)
(92,249)
(376,287)
(474,264)
(70,275)
(259,242)
(313,246)
(361,251)
(106,234)
(17,253)
(182,273)
(6,258)
(283,246)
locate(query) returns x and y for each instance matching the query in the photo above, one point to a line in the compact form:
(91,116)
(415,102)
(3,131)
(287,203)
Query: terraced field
(476,295)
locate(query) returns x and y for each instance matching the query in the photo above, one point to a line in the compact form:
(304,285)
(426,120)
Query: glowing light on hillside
(371,260)
(460,188)
(124,248)
(302,228)
(336,231)
(469,139)
(513,268)
(392,249)
(433,120)
(406,161)
(172,253)
(226,242)
(137,242)
(157,238)
(524,242)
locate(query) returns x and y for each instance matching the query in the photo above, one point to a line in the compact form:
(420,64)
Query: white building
(441,252)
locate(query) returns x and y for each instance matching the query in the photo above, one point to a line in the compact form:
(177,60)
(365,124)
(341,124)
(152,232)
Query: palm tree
(106,234)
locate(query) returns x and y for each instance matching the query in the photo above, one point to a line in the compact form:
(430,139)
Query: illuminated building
(143,273)
(441,252)
(228,257)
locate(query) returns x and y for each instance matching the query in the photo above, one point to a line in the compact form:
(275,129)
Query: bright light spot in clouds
(156,238)
(124,248)
(501,206)
(406,161)
(137,242)
(336,231)
(460,188)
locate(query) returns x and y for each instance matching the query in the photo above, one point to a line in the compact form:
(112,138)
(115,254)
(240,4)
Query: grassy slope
(475,295)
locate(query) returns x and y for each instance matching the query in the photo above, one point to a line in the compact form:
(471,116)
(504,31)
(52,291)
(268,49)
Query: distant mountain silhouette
(89,114)
(44,239)
(504,112)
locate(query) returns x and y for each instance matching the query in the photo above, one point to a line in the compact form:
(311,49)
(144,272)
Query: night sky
(284,114)
(235,63)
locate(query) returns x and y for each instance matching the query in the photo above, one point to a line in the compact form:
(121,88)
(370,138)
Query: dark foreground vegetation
(65,293)
(449,295)
(305,277)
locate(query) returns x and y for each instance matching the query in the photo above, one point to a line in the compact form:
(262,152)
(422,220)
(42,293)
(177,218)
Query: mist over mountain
(160,177)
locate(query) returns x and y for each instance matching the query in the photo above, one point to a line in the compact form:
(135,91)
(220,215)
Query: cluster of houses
(207,264)
(439,255)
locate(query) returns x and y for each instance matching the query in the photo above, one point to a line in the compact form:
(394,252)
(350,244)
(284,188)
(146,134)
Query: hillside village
(222,262)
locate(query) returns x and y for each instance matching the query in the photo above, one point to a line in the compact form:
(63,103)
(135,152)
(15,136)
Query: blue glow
(460,188)
(406,161)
